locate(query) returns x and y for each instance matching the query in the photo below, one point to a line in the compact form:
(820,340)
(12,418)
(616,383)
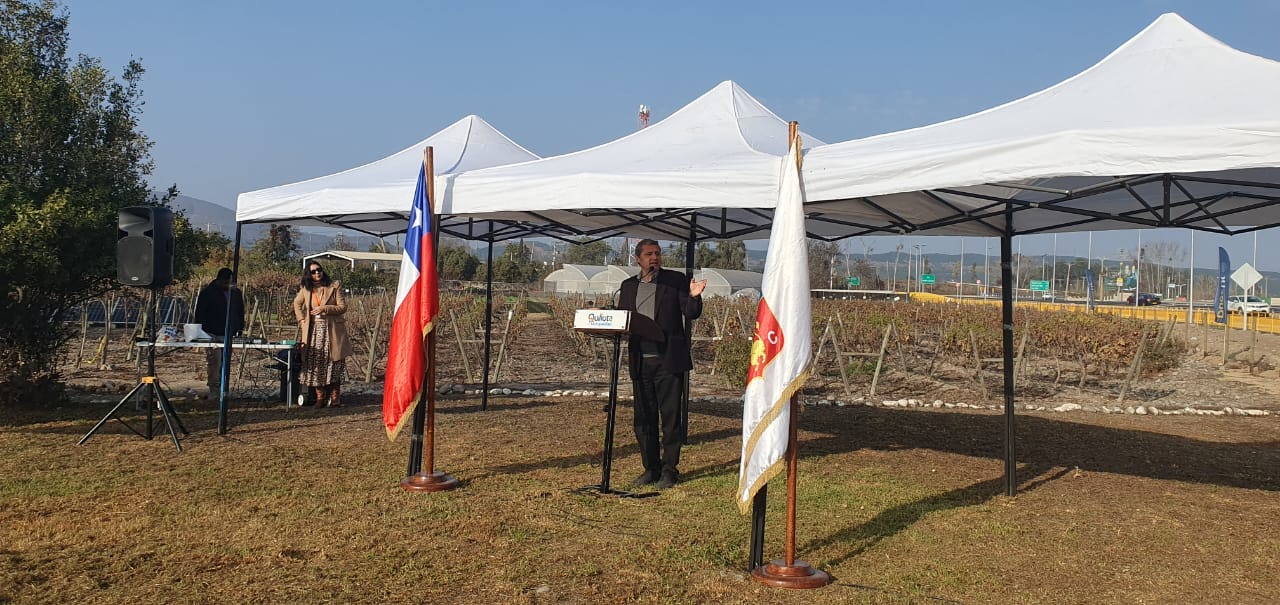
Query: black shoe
(647,478)
(669,479)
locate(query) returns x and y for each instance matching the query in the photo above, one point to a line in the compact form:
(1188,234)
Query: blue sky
(245,95)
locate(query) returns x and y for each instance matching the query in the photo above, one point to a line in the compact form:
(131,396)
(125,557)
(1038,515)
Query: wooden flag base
(797,575)
(428,482)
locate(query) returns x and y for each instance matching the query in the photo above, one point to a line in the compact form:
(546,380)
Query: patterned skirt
(317,369)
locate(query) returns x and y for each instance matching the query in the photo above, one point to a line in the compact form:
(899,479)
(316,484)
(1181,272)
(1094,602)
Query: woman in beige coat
(319,308)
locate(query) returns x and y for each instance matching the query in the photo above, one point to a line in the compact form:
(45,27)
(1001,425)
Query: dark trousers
(659,403)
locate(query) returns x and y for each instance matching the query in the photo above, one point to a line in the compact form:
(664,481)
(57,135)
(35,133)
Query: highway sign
(1039,285)
(854,281)
(927,278)
(1246,276)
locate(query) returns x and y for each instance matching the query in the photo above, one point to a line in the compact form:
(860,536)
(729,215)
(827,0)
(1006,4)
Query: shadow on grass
(624,445)
(243,416)
(893,521)
(1041,443)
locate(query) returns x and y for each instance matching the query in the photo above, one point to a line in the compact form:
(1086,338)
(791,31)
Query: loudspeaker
(144,246)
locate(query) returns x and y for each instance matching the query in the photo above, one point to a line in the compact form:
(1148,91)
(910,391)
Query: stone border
(1139,410)
(97,396)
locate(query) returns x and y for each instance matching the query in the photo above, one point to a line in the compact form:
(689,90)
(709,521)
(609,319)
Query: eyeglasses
(320,271)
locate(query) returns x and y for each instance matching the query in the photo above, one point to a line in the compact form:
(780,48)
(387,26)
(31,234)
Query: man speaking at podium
(660,300)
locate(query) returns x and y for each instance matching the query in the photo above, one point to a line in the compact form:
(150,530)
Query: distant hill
(220,219)
(216,218)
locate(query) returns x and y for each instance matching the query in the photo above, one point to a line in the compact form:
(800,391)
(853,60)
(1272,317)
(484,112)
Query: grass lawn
(304,506)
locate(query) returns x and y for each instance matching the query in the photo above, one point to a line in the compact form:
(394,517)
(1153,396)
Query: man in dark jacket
(211,314)
(661,301)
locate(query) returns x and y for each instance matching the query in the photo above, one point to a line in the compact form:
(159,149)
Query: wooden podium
(612,324)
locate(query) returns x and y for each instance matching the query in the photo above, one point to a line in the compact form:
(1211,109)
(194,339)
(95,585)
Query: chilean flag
(417,302)
(780,346)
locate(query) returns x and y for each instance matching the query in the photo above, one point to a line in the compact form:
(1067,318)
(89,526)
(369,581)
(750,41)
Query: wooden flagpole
(424,415)
(791,572)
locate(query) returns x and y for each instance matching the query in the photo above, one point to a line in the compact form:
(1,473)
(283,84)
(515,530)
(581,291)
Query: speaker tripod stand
(153,396)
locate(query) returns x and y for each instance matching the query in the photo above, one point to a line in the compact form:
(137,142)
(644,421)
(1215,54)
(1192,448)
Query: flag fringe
(394,432)
(771,471)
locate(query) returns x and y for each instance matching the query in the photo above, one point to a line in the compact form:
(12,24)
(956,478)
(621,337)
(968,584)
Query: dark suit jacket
(211,310)
(671,306)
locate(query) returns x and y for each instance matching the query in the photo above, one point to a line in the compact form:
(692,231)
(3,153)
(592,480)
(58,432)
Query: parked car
(1145,299)
(1248,304)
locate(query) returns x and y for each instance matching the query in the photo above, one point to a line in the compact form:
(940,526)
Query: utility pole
(643,116)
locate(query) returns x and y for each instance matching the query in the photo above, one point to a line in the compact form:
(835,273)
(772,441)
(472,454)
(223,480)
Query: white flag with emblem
(781,344)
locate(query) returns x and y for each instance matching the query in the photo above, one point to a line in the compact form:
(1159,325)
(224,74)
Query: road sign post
(1246,277)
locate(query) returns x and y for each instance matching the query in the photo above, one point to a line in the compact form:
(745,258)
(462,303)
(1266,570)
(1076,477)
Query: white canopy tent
(678,179)
(375,198)
(1172,129)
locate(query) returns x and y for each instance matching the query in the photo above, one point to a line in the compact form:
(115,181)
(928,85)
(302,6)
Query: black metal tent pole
(1006,320)
(226,339)
(688,324)
(757,526)
(488,321)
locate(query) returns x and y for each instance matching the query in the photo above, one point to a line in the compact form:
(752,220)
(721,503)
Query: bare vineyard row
(269,315)
(859,345)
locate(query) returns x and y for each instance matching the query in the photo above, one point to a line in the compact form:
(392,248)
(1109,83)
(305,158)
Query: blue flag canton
(419,220)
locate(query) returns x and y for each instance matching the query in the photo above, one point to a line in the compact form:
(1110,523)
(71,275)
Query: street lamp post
(986,263)
(919,266)
(1053,280)
(1123,277)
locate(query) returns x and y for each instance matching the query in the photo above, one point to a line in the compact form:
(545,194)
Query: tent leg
(1006,320)
(688,324)
(226,339)
(488,322)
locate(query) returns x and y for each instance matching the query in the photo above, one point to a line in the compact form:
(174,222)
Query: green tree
(282,244)
(71,155)
(515,265)
(363,278)
(704,256)
(730,254)
(587,252)
(456,262)
(821,265)
(867,277)
(674,255)
(279,251)
(198,249)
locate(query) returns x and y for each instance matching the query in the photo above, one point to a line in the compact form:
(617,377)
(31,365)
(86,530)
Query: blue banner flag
(1088,289)
(1220,293)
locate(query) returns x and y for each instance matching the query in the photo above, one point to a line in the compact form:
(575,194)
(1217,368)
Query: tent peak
(1169,30)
